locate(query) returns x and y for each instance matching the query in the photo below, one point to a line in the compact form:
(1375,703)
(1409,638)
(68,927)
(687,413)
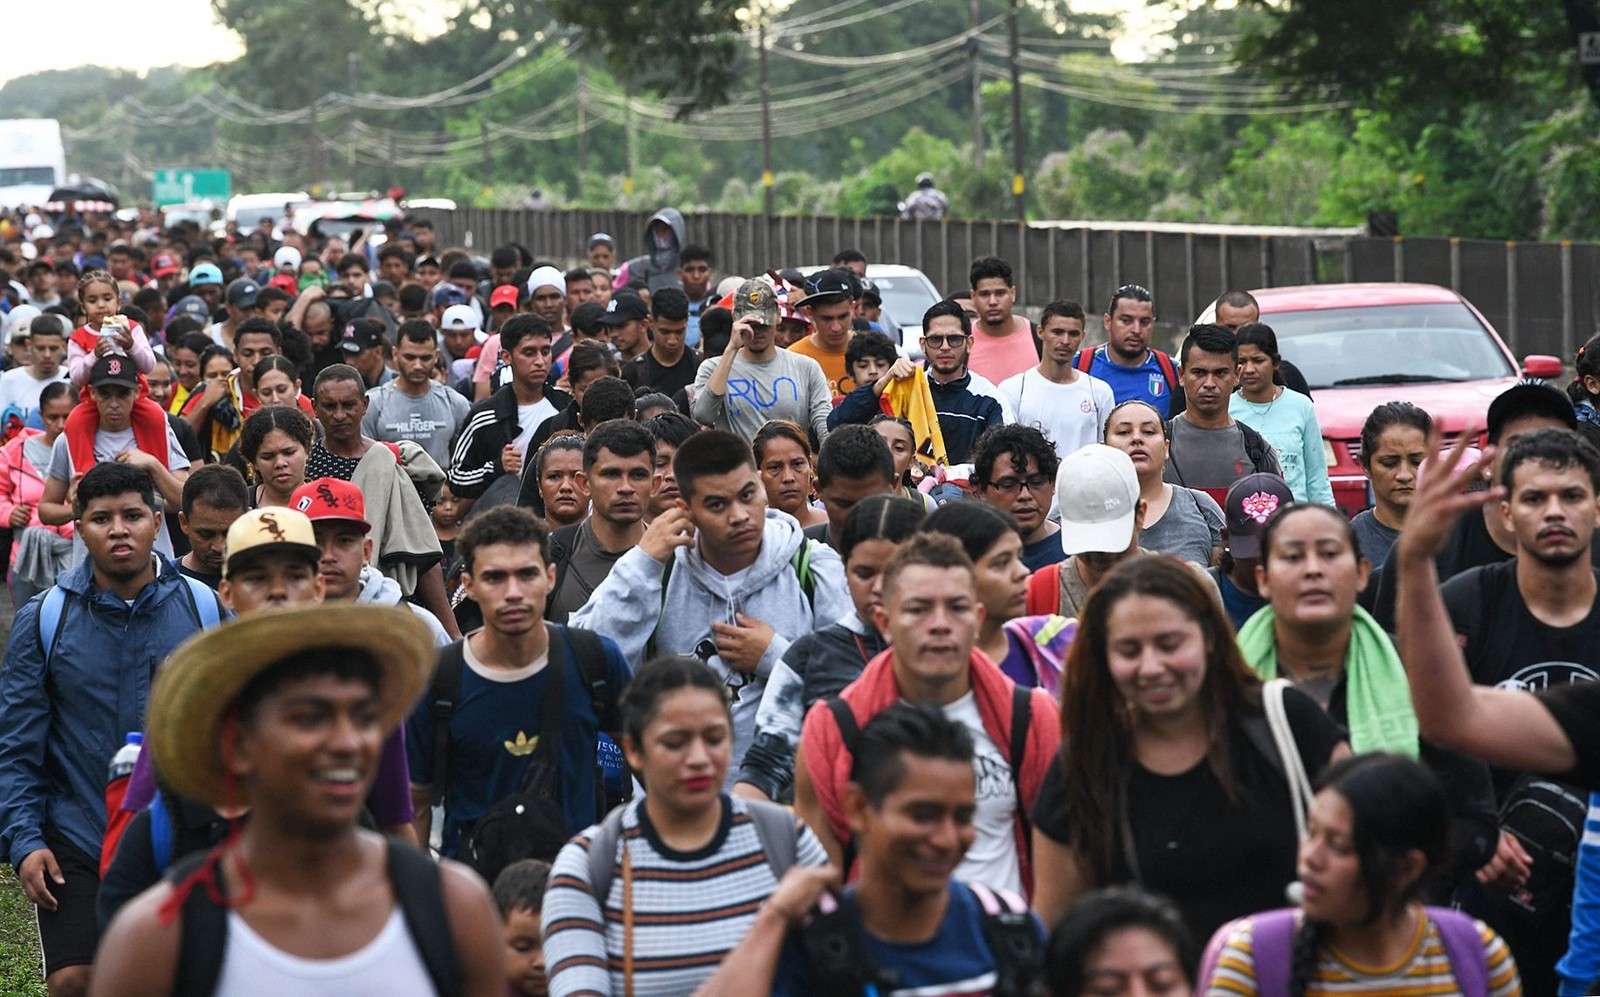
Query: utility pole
(313,149)
(352,61)
(488,161)
(977,90)
(633,165)
(766,124)
(1019,186)
(583,114)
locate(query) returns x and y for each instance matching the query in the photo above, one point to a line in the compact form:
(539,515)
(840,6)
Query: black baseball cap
(1250,502)
(114,368)
(361,335)
(242,293)
(624,307)
(1529,398)
(828,287)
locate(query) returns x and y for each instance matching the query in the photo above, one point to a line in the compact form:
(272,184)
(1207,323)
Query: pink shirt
(80,362)
(1000,357)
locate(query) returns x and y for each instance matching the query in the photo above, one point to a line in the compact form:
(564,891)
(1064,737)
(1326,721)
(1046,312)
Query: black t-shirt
(1468,546)
(1576,707)
(646,372)
(1505,644)
(1216,859)
(214,581)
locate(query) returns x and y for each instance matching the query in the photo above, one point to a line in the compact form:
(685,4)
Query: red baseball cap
(505,294)
(164,265)
(328,499)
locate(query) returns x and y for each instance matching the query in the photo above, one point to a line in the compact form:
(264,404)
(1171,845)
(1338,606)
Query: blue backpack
(53,618)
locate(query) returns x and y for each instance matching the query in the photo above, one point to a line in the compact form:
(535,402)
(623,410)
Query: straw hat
(196,689)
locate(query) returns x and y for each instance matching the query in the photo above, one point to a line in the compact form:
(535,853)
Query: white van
(247,210)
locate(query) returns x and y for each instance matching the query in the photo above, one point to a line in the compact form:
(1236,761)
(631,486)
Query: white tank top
(385,966)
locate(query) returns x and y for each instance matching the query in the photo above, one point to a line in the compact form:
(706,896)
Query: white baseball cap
(286,258)
(1098,492)
(459,317)
(19,320)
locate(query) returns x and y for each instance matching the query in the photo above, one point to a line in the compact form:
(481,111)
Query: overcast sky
(172,32)
(125,35)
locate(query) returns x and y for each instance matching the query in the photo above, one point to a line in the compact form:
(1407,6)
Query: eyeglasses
(1009,485)
(937,342)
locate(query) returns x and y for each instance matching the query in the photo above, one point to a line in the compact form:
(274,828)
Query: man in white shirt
(1068,406)
(21,386)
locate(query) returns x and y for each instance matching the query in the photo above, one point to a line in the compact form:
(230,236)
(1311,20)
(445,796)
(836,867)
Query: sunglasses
(937,342)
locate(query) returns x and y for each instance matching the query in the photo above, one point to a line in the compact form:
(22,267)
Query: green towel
(1377,698)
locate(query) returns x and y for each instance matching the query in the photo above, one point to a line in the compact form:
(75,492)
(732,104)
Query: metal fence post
(1150,257)
(1266,261)
(1085,246)
(1399,258)
(1513,339)
(1569,325)
(1224,271)
(944,256)
(1455,263)
(1050,260)
(1188,273)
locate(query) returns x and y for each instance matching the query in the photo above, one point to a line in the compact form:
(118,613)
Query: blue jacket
(963,415)
(60,726)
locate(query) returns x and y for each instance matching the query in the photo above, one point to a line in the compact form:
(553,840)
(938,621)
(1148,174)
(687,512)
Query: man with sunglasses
(1126,361)
(967,403)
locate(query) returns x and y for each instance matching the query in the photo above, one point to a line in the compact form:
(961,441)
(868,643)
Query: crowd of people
(390,620)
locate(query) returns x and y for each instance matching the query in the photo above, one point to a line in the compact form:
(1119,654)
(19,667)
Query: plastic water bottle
(122,762)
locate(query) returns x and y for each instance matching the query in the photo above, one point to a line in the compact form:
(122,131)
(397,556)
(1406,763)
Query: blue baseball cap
(448,294)
(205,273)
(193,306)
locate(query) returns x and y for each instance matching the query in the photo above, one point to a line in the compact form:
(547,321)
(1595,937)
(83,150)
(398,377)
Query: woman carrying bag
(1170,775)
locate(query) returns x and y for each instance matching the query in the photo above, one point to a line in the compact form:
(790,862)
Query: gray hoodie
(659,263)
(628,604)
(381,590)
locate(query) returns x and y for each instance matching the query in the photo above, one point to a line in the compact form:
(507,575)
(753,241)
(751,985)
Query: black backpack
(530,823)
(563,541)
(417,889)
(1548,818)
(841,963)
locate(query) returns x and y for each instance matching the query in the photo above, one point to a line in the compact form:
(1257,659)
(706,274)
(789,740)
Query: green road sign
(186,186)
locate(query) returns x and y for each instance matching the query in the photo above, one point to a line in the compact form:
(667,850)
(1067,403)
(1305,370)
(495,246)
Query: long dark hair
(1397,806)
(1096,745)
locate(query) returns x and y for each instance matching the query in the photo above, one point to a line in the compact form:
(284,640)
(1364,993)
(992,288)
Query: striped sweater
(1423,972)
(689,909)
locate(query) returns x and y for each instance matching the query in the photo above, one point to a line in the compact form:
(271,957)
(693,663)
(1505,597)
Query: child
(447,521)
(105,331)
(519,893)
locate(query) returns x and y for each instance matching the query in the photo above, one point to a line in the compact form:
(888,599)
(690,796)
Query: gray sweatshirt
(628,604)
(788,386)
